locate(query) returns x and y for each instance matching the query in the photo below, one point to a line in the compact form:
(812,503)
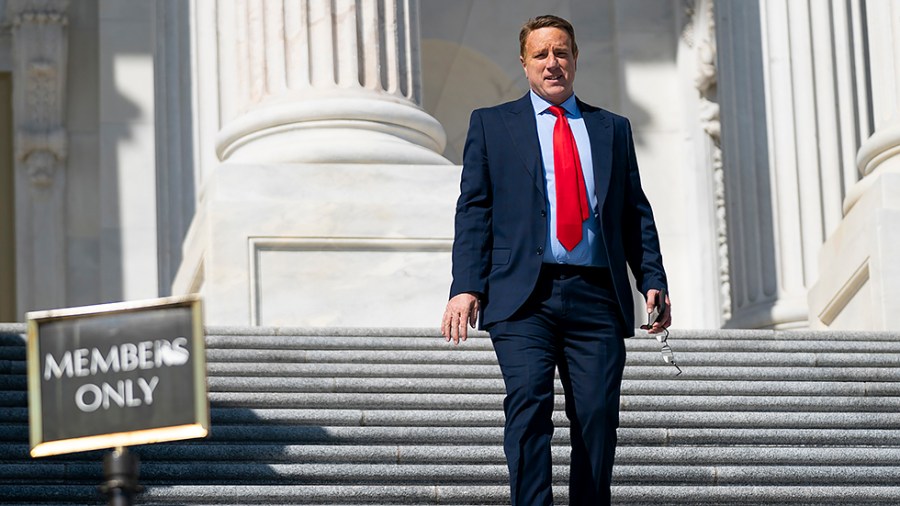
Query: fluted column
(791,123)
(880,153)
(859,275)
(322,81)
(40,49)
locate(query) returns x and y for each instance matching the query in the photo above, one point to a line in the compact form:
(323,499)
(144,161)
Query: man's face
(549,64)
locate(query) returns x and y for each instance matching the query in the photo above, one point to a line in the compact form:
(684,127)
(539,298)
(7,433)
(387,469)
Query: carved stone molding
(700,35)
(40,48)
(40,57)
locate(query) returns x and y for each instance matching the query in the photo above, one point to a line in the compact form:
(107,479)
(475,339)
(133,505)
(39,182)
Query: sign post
(116,375)
(120,469)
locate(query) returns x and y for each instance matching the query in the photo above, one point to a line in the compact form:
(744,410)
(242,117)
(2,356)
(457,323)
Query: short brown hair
(546,21)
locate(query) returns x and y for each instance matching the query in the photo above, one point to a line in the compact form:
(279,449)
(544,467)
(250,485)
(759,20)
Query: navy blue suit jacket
(501,214)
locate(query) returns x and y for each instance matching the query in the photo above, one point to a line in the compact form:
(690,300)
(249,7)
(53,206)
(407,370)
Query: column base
(877,155)
(858,264)
(341,127)
(322,245)
(784,313)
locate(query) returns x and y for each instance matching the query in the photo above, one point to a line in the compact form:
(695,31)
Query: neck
(557,101)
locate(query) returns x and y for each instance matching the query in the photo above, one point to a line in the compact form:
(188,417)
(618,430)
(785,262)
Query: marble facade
(295,161)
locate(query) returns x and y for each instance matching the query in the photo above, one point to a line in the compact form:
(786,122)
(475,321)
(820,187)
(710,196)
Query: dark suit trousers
(571,322)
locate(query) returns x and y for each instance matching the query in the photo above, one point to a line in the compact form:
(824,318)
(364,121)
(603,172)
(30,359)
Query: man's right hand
(461,309)
(665,320)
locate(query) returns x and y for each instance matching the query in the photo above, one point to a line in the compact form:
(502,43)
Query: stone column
(40,48)
(879,153)
(791,121)
(323,81)
(859,274)
(331,204)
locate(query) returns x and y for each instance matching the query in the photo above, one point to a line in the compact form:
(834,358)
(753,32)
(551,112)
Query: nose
(552,61)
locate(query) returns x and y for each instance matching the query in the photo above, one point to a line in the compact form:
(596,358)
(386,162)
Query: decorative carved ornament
(40,48)
(700,35)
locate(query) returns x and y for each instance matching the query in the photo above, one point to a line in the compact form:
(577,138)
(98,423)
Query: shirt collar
(542,105)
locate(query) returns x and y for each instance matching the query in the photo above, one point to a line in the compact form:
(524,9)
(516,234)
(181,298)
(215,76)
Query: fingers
(456,318)
(460,317)
(667,320)
(454,330)
(461,310)
(473,315)
(664,322)
(447,324)
(452,323)
(651,299)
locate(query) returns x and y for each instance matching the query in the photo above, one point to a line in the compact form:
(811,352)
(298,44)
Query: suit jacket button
(543,213)
(540,250)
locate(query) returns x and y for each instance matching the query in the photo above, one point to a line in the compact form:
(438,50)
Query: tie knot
(558,111)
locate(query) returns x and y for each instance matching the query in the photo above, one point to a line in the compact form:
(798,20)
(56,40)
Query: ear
(522,61)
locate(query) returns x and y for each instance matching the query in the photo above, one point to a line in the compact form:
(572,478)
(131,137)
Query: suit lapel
(522,127)
(600,131)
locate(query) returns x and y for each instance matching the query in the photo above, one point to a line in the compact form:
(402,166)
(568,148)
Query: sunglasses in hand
(656,315)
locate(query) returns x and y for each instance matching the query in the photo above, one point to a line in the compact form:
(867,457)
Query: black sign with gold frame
(116,375)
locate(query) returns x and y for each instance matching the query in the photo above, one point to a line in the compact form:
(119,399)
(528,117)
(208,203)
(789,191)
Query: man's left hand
(662,322)
(461,309)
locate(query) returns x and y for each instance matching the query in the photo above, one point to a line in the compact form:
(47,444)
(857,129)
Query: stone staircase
(387,416)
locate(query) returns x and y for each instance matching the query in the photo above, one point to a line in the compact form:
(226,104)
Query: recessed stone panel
(349,282)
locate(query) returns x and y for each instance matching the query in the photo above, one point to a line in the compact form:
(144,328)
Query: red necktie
(571,195)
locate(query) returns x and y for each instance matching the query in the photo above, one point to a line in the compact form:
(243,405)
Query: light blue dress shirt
(587,251)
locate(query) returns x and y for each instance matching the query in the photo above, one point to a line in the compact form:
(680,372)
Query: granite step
(474,454)
(489,402)
(487,357)
(465,495)
(467,418)
(314,435)
(263,473)
(630,402)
